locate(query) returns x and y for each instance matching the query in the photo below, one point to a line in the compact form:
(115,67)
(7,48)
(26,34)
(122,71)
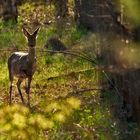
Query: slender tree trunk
(136,33)
(61,7)
(77,10)
(10,11)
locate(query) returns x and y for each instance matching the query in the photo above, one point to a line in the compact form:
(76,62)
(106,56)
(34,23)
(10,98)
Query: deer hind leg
(19,90)
(28,89)
(10,92)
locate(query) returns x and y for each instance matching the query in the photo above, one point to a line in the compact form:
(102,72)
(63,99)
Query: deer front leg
(28,89)
(18,86)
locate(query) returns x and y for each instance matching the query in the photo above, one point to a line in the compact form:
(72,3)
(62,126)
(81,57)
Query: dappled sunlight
(74,103)
(73,97)
(37,15)
(132,10)
(4,74)
(62,109)
(41,121)
(89,45)
(127,56)
(60,116)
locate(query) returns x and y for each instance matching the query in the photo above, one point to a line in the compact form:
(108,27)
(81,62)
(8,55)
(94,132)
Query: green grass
(59,109)
(4,75)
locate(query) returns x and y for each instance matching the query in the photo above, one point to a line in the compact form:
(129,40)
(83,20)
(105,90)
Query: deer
(23,65)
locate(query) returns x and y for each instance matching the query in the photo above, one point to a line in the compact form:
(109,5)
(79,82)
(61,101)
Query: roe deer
(23,65)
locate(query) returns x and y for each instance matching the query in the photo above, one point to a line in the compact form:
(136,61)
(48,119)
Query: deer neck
(31,55)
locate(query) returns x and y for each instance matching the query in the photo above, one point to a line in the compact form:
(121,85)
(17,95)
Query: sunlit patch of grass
(4,75)
(51,32)
(74,34)
(5,37)
(12,39)
(43,36)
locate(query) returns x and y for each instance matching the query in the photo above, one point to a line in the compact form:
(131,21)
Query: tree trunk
(89,13)
(136,33)
(77,10)
(61,7)
(10,11)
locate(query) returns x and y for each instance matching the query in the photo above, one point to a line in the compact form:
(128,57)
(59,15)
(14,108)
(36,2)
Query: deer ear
(25,32)
(36,31)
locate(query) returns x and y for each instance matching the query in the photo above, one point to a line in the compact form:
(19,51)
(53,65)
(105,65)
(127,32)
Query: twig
(74,53)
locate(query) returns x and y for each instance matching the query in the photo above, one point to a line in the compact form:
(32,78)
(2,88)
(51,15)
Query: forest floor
(67,100)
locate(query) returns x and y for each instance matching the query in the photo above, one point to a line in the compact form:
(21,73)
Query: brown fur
(23,65)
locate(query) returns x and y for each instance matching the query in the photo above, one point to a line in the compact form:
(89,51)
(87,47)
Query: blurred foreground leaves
(18,122)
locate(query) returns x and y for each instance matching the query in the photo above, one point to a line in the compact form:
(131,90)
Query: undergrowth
(66,103)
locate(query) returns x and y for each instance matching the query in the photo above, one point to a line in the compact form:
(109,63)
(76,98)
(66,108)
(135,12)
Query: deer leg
(28,89)
(10,93)
(11,82)
(18,86)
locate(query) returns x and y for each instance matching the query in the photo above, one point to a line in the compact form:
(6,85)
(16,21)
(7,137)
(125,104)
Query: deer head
(31,38)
